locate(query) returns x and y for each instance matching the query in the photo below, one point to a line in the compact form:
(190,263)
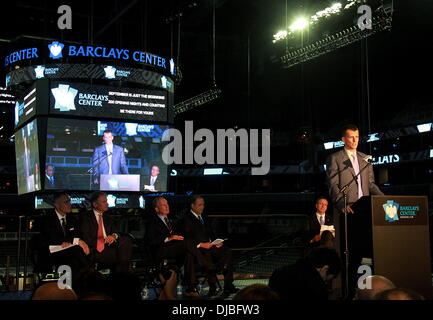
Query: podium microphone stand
(343,190)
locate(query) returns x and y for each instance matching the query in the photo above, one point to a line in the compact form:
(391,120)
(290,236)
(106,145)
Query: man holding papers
(196,228)
(59,235)
(319,225)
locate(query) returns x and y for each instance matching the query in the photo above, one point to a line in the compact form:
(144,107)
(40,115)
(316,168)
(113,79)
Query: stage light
(424,127)
(328,145)
(280,35)
(373,137)
(196,101)
(334,42)
(213,171)
(299,24)
(431,153)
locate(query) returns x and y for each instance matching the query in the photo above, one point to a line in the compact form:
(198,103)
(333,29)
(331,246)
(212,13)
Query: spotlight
(299,24)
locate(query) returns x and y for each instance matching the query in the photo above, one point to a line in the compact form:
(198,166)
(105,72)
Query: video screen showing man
(104,155)
(27,155)
(50,182)
(108,158)
(154,182)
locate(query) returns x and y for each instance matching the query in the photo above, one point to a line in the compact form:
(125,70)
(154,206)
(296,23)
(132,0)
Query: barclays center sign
(57,50)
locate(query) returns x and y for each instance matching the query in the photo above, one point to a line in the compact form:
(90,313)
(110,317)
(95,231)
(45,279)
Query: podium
(120,182)
(394,232)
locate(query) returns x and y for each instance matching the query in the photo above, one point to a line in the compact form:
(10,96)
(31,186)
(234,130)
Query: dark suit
(117,254)
(313,226)
(158,184)
(100,161)
(51,233)
(183,251)
(194,230)
(339,171)
(49,184)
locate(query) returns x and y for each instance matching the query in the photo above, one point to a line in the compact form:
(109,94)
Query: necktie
(322,220)
(356,169)
(64,226)
(201,219)
(169,226)
(52,180)
(152,181)
(100,241)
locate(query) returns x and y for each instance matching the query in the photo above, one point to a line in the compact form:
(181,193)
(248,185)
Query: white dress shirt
(350,155)
(162,218)
(318,215)
(196,215)
(75,241)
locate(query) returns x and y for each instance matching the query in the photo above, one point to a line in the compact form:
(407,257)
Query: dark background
(313,99)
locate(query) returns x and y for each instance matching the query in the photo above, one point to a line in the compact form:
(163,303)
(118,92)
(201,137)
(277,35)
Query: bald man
(51,291)
(378,285)
(399,294)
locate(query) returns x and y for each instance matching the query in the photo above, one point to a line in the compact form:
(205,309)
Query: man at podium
(350,171)
(344,165)
(108,158)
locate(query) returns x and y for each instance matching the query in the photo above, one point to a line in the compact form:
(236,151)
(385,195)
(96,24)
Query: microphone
(368,158)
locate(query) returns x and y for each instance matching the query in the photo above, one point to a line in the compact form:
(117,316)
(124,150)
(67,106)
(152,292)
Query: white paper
(327,228)
(54,249)
(218,241)
(149,188)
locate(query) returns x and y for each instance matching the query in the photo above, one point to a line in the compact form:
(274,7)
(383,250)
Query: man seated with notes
(59,235)
(196,227)
(319,230)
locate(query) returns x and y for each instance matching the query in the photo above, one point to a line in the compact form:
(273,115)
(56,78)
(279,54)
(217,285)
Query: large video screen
(25,105)
(27,155)
(103,155)
(120,103)
(82,201)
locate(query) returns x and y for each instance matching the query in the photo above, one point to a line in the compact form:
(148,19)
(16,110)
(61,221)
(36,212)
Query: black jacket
(313,226)
(51,232)
(192,229)
(157,231)
(89,228)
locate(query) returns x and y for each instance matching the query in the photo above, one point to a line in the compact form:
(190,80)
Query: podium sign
(400,239)
(120,182)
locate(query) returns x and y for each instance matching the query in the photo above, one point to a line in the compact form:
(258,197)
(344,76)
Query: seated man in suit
(166,243)
(153,182)
(99,232)
(196,227)
(59,228)
(314,223)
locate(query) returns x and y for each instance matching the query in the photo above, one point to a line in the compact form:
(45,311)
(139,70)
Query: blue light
(213,171)
(373,137)
(56,48)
